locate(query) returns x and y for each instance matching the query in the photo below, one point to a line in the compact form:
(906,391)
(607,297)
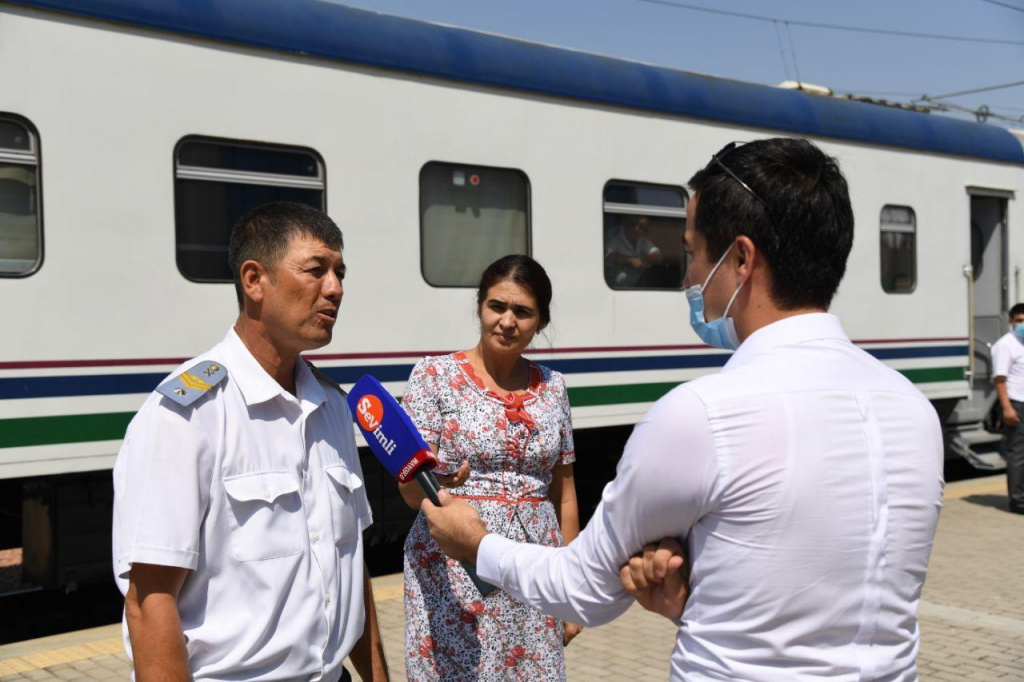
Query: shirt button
(316,537)
(327,598)
(266,494)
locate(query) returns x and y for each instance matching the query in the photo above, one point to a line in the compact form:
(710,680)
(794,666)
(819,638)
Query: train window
(643,235)
(21,227)
(217,181)
(470,216)
(899,249)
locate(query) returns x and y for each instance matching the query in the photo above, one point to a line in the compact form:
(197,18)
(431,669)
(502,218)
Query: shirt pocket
(267,510)
(347,489)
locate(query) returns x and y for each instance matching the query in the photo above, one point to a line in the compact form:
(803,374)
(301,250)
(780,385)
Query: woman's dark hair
(525,272)
(807,236)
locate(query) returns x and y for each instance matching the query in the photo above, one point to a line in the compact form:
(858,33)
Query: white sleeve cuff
(365,521)
(488,557)
(158,556)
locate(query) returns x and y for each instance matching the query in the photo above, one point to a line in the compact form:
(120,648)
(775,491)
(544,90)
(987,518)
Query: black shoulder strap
(326,379)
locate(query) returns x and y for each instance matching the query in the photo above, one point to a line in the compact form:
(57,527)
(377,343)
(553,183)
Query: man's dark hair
(264,233)
(1016,310)
(806,239)
(525,272)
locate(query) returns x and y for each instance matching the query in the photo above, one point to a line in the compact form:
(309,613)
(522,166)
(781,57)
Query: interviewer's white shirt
(806,478)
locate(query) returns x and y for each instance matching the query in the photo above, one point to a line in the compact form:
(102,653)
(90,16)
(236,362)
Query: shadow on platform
(1000,502)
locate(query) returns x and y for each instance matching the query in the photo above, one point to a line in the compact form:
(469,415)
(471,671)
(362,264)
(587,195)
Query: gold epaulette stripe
(194,382)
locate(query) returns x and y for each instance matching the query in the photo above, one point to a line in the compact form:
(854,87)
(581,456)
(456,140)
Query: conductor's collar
(257,386)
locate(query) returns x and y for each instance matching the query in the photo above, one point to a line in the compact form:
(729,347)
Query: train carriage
(132,134)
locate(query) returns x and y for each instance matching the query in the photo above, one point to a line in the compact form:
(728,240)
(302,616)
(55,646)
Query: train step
(966,445)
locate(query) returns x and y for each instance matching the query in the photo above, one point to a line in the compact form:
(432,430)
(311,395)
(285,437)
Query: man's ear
(253,277)
(746,256)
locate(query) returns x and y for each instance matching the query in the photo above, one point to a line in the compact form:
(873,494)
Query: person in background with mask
(805,478)
(1008,376)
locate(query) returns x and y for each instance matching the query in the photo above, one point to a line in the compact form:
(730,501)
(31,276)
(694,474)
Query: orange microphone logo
(371,412)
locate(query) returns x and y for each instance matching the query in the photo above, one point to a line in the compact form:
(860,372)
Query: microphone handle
(431,488)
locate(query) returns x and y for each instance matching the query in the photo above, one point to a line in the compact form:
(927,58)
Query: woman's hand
(457,479)
(414,496)
(571,630)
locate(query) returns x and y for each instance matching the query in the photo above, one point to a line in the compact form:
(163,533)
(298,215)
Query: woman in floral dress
(502,431)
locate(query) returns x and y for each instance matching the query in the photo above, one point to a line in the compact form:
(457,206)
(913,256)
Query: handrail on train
(969,274)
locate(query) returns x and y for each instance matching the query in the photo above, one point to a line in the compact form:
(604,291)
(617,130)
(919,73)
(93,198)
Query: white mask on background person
(720,333)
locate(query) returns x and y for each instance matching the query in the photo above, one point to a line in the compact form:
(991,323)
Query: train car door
(990,298)
(991,288)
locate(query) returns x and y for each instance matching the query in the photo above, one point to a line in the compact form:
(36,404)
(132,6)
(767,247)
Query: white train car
(133,133)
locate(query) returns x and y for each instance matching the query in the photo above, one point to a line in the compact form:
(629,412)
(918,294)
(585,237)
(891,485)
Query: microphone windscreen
(390,433)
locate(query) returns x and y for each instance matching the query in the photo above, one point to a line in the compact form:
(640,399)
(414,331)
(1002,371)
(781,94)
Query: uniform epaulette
(188,387)
(319,374)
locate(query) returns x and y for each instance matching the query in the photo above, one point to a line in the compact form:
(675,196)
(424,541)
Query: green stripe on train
(76,428)
(83,428)
(933,374)
(589,396)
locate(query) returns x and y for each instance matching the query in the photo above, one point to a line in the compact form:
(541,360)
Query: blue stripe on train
(118,384)
(332,31)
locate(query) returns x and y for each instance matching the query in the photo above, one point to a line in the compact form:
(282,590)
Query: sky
(662,32)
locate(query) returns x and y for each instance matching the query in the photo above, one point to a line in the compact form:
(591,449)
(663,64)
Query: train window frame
(33,157)
(469,167)
(645,210)
(886,264)
(221,175)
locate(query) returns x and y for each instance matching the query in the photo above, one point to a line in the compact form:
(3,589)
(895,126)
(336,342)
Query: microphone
(397,444)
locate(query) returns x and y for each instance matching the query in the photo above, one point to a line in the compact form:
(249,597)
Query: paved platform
(972,614)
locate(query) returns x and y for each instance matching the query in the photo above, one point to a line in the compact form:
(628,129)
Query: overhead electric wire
(782,50)
(882,93)
(833,27)
(981,113)
(1004,4)
(971,92)
(792,51)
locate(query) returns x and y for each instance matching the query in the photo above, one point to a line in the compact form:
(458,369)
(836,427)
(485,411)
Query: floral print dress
(512,442)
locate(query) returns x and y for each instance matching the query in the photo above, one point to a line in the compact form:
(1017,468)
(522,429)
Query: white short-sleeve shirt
(1008,361)
(806,480)
(260,495)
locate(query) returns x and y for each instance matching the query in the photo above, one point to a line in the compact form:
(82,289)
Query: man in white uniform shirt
(238,497)
(1008,375)
(805,478)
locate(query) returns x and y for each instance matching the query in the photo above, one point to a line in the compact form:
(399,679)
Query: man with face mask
(1008,376)
(805,478)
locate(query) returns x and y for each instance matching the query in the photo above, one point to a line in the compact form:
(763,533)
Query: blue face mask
(1018,330)
(720,333)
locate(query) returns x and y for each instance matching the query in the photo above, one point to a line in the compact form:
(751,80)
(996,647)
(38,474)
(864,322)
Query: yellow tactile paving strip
(979,486)
(45,659)
(388,592)
(385,589)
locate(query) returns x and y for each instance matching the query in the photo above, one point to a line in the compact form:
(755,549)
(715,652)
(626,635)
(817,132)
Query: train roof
(335,32)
